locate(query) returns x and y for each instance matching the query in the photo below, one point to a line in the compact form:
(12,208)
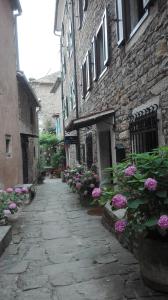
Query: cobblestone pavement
(61,253)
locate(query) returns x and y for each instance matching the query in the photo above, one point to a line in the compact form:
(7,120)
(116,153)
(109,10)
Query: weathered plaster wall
(10,167)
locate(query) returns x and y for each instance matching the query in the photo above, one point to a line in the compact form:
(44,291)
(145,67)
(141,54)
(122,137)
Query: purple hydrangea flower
(9,190)
(151,184)
(12,205)
(25,190)
(7,212)
(96,193)
(163,222)
(119,201)
(120,225)
(130,171)
(18,191)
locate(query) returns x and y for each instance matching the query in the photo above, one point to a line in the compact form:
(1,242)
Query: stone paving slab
(59,252)
(5,237)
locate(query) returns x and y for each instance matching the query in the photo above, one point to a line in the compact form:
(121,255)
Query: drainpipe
(62,90)
(75,80)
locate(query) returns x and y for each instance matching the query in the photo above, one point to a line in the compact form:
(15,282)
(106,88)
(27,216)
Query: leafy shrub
(142,188)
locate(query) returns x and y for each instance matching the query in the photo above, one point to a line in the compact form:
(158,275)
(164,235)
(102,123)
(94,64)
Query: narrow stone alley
(59,252)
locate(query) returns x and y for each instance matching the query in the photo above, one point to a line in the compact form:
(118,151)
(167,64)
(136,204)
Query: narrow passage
(59,252)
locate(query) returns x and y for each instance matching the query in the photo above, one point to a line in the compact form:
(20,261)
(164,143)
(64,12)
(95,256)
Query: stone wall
(137,71)
(50,102)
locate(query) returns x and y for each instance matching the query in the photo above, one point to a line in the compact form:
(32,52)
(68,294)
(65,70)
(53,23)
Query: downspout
(75,80)
(62,90)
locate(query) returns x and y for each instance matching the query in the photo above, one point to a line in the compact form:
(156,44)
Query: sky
(38,46)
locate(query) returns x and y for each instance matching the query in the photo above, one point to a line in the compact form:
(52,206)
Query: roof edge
(22,78)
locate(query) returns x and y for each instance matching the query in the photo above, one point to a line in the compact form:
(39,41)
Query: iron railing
(143,127)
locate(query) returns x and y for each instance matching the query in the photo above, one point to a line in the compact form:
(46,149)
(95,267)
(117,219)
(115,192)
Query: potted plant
(142,189)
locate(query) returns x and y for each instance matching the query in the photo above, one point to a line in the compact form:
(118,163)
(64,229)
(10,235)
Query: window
(58,126)
(82,7)
(72,96)
(93,60)
(85,4)
(130,14)
(102,49)
(66,108)
(69,38)
(86,75)
(143,128)
(8,145)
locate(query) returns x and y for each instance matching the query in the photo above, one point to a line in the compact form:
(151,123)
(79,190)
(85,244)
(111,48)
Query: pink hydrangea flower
(9,190)
(151,184)
(18,191)
(163,222)
(96,193)
(12,205)
(130,171)
(7,212)
(120,225)
(78,185)
(119,201)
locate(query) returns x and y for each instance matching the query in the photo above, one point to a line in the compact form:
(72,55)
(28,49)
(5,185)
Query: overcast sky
(38,46)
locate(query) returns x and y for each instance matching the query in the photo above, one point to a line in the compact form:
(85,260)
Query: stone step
(5,237)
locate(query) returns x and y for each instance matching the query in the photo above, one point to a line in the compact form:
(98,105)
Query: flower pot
(14,217)
(153,259)
(95,211)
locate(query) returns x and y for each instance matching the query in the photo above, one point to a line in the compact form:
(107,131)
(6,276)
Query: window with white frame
(69,38)
(86,75)
(102,49)
(63,58)
(93,60)
(130,15)
(58,126)
(82,7)
(66,108)
(72,95)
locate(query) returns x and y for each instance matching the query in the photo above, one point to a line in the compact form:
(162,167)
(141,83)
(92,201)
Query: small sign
(71,139)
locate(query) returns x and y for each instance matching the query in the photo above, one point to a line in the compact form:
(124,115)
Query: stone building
(28,121)
(48,90)
(10,148)
(116,53)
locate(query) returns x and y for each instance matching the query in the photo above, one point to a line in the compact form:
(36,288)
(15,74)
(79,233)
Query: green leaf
(135,203)
(161,194)
(166,201)
(151,222)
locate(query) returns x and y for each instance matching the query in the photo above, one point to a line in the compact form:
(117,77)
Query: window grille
(143,128)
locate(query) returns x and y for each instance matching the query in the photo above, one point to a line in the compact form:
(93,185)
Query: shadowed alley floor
(61,253)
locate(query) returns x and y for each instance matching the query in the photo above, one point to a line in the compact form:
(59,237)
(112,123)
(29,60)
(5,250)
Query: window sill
(102,73)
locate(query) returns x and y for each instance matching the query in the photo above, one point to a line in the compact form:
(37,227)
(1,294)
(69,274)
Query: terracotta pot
(95,211)
(153,259)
